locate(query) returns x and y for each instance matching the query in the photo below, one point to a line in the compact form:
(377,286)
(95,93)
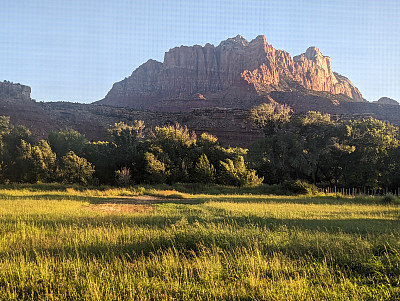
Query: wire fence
(360,191)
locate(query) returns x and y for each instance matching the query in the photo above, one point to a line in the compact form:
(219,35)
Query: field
(60,243)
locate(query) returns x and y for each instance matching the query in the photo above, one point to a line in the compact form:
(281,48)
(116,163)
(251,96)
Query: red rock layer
(235,69)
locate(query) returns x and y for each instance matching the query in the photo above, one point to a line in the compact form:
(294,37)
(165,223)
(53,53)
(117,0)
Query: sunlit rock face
(236,73)
(314,72)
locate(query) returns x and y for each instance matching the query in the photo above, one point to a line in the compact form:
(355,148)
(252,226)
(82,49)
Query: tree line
(361,153)
(165,154)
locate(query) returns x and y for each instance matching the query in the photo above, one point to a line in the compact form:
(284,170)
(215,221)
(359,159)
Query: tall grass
(57,243)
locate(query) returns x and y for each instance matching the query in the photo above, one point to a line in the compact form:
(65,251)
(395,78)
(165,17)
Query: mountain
(387,101)
(208,89)
(16,102)
(235,74)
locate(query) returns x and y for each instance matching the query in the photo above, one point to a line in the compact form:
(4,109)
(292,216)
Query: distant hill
(387,101)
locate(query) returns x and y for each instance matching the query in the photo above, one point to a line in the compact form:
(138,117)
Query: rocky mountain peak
(313,53)
(236,74)
(261,39)
(237,41)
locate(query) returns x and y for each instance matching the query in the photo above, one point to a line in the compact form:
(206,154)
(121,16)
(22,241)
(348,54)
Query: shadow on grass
(146,200)
(200,193)
(302,199)
(208,218)
(43,187)
(194,200)
(189,240)
(49,196)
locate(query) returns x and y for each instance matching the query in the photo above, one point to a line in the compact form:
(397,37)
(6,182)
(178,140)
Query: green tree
(43,162)
(373,142)
(126,138)
(270,116)
(17,142)
(102,154)
(67,140)
(155,170)
(316,134)
(274,157)
(235,172)
(123,176)
(4,130)
(204,171)
(75,169)
(173,146)
(127,149)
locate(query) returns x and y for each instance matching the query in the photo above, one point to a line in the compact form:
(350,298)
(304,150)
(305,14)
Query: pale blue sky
(74,50)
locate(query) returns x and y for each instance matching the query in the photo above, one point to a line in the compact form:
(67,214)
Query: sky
(74,50)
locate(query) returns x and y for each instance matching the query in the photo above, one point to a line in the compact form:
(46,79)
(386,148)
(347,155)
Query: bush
(123,176)
(299,187)
(236,173)
(389,199)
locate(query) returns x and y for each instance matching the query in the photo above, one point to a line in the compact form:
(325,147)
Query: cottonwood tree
(75,169)
(125,149)
(270,116)
(67,140)
(204,171)
(373,142)
(172,145)
(235,172)
(316,136)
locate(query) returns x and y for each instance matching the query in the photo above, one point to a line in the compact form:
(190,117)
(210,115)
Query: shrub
(299,187)
(236,173)
(389,199)
(123,176)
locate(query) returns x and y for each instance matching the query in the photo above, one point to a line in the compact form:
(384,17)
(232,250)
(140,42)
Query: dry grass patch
(138,204)
(122,208)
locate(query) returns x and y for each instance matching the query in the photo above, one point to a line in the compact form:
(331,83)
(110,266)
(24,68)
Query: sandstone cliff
(15,102)
(9,90)
(236,73)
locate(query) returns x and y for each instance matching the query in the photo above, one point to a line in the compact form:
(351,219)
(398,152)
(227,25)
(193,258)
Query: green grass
(65,243)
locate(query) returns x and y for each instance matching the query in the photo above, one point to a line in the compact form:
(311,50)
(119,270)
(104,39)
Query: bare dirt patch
(122,208)
(139,204)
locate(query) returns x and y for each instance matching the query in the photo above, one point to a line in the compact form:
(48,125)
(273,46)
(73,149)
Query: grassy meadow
(153,243)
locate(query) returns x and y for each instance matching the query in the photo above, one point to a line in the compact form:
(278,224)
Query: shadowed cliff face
(14,91)
(236,73)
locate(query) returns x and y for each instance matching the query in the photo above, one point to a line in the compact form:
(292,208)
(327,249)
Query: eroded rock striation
(235,74)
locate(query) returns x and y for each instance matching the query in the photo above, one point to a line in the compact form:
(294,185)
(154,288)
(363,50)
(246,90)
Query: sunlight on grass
(59,244)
